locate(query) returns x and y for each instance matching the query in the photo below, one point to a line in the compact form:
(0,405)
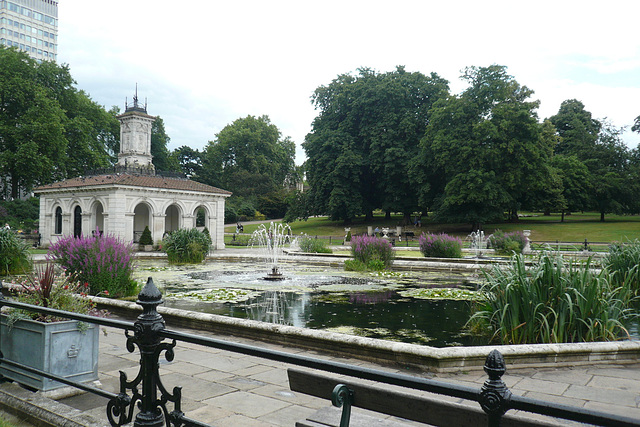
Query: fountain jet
(271,242)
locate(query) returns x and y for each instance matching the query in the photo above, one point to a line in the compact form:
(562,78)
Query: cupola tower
(135,136)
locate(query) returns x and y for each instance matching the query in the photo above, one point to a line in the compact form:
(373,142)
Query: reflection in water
(324,298)
(382,314)
(371,297)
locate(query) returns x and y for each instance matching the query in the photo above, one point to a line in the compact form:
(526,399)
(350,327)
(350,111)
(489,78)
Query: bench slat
(424,409)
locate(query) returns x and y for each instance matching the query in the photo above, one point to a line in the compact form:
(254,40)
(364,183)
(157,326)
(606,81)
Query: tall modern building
(31,26)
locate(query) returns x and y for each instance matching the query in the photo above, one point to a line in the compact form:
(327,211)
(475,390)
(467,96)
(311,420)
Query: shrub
(551,302)
(354,265)
(311,245)
(145,238)
(507,243)
(14,253)
(104,262)
(367,248)
(187,246)
(247,210)
(239,240)
(622,259)
(440,246)
(230,215)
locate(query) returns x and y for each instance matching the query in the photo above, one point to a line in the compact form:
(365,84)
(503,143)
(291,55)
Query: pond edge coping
(448,359)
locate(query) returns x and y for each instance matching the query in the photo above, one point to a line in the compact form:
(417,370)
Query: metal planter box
(59,348)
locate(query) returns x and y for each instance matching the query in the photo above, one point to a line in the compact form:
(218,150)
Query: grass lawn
(576,227)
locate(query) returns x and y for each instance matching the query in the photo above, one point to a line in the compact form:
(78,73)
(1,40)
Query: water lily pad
(215,295)
(442,293)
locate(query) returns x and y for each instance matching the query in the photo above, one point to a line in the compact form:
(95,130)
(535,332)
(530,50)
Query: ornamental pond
(422,307)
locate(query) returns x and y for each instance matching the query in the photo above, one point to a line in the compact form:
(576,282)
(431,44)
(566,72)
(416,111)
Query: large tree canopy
(595,151)
(163,160)
(251,159)
(484,151)
(577,129)
(49,130)
(363,139)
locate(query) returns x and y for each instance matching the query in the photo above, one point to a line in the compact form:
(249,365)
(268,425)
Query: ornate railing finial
(494,395)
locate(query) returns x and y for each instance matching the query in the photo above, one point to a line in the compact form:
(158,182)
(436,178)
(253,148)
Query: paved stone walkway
(228,389)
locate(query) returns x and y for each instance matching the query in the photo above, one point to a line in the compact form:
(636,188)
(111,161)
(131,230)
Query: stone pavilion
(130,196)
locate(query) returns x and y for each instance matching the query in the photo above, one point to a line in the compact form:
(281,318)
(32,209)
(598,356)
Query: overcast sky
(203,64)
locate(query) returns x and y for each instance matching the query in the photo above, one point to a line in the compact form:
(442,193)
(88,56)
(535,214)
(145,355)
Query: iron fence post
(494,395)
(146,329)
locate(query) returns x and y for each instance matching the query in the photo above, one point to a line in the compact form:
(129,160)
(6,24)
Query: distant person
(7,227)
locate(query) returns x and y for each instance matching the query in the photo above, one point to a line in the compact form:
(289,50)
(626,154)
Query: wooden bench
(428,409)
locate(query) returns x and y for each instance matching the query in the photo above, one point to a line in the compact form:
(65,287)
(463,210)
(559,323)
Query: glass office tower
(31,26)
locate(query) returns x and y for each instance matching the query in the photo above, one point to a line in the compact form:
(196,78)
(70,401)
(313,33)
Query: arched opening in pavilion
(141,219)
(171,219)
(77,221)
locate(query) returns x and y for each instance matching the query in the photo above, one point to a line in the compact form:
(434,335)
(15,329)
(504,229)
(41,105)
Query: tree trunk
(387,215)
(406,219)
(601,216)
(368,216)
(562,216)
(547,212)
(14,190)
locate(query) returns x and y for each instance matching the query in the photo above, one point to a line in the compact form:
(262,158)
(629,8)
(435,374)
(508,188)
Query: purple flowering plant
(502,242)
(103,262)
(440,245)
(372,250)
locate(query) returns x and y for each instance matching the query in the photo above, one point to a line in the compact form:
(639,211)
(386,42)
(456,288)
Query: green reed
(552,301)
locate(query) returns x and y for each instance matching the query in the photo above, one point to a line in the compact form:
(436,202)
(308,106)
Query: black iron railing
(147,392)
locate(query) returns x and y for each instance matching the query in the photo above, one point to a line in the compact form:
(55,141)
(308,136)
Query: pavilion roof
(132,180)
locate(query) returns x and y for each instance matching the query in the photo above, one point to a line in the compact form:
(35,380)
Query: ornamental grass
(187,246)
(14,253)
(552,301)
(622,259)
(104,262)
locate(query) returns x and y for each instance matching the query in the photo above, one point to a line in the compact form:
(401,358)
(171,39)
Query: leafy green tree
(598,145)
(636,125)
(90,131)
(20,213)
(363,139)
(609,165)
(576,183)
(253,145)
(49,130)
(249,158)
(162,159)
(189,161)
(483,151)
(577,129)
(32,142)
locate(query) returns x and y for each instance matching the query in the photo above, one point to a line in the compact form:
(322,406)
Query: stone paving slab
(228,389)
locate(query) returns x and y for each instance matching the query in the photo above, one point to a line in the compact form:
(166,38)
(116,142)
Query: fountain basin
(426,358)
